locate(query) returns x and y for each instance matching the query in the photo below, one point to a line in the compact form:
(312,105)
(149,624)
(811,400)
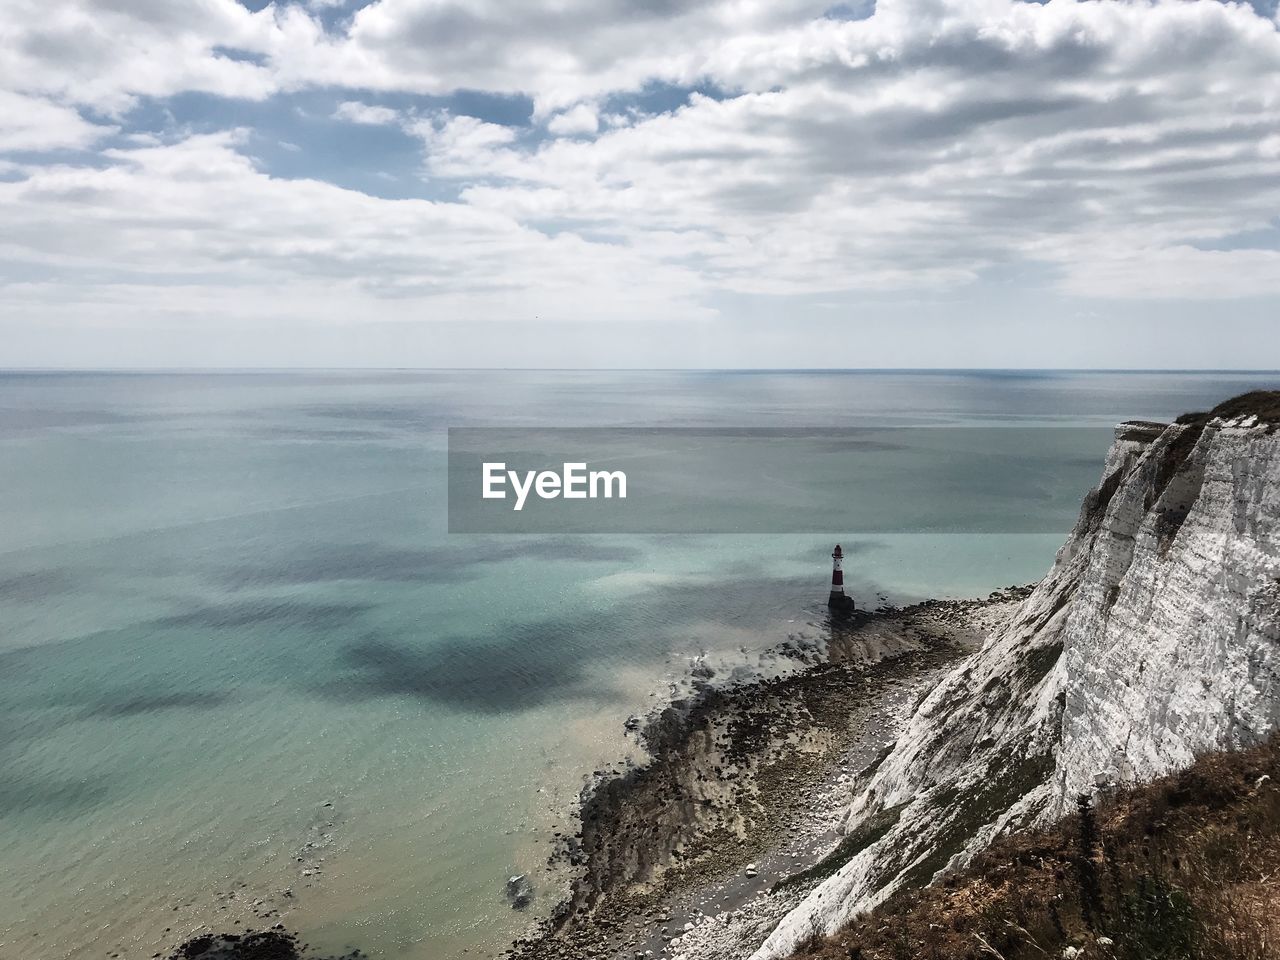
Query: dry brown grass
(1184,868)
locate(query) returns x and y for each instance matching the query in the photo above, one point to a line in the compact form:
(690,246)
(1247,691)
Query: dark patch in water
(574,549)
(53,799)
(33,586)
(376,563)
(256,612)
(14,420)
(858,445)
(531,665)
(397,415)
(134,704)
(319,434)
(363,562)
(519,666)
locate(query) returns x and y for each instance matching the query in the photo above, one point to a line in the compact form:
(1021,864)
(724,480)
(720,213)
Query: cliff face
(1155,637)
(1171,646)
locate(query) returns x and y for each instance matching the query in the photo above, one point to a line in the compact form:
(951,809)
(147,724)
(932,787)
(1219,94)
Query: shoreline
(736,815)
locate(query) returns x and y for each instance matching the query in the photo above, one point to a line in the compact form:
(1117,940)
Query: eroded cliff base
(723,820)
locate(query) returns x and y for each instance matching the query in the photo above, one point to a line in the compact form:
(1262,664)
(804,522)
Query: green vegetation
(1184,868)
(848,848)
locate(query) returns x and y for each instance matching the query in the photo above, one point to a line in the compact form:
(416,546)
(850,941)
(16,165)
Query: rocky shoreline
(735,817)
(699,852)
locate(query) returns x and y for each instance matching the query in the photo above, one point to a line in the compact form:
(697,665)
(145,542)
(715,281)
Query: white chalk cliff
(1155,637)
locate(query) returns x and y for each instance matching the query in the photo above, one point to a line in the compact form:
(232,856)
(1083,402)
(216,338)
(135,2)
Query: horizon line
(413,369)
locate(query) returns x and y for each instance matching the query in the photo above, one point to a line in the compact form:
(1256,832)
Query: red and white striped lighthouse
(837,598)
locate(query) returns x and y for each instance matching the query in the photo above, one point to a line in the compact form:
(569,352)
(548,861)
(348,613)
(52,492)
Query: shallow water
(232,625)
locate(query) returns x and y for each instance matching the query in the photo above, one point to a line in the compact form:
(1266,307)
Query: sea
(246,668)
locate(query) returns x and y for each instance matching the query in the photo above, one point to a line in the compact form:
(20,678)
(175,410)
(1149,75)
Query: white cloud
(1106,146)
(562,52)
(581,119)
(463,147)
(1173,273)
(195,217)
(36,124)
(105,53)
(934,142)
(357,112)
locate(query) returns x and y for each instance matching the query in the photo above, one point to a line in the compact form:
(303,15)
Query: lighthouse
(838,600)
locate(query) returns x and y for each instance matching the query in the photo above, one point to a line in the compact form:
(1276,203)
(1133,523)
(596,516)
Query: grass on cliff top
(1184,868)
(1263,404)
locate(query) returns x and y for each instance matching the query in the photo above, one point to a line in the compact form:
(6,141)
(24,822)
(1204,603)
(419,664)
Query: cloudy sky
(705,183)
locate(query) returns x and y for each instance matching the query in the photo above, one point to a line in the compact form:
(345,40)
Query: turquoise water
(232,624)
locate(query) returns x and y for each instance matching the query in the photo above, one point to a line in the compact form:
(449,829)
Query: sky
(640,183)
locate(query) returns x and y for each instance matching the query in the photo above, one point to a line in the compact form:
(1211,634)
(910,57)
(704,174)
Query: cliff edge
(1153,639)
